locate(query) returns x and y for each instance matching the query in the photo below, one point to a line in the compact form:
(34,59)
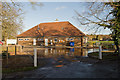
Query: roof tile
(53,29)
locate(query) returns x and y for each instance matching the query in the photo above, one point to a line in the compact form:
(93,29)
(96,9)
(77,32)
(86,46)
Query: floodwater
(69,63)
(55,52)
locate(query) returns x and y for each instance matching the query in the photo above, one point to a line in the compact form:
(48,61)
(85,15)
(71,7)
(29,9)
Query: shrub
(5,53)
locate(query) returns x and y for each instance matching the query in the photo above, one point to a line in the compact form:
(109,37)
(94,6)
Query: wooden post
(7,52)
(20,48)
(100,52)
(15,50)
(93,47)
(81,42)
(35,57)
(81,51)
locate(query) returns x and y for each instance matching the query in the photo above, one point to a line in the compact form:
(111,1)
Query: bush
(5,53)
(105,44)
(108,45)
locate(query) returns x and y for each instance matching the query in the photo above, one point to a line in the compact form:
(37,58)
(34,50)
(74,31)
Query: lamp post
(100,51)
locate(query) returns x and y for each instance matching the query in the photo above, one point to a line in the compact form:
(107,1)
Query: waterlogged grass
(112,42)
(9,70)
(105,55)
(105,44)
(20,63)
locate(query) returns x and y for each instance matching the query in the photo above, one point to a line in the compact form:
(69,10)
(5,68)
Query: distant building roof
(52,29)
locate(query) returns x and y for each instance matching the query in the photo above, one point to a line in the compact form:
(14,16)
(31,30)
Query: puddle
(89,64)
(45,68)
(59,65)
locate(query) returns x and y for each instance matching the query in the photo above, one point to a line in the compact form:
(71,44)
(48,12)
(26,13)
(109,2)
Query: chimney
(56,20)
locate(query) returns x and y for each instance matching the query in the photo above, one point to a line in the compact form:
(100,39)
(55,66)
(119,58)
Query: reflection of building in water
(51,50)
(71,52)
(55,51)
(85,53)
(60,51)
(46,51)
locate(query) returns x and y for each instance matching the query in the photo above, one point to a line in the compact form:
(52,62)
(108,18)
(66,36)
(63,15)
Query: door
(46,42)
(34,41)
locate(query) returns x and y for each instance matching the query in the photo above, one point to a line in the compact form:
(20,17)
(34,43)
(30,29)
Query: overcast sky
(50,11)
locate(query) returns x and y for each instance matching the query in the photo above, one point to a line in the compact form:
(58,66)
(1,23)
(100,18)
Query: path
(85,69)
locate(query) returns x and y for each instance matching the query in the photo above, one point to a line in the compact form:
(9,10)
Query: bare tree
(105,15)
(12,18)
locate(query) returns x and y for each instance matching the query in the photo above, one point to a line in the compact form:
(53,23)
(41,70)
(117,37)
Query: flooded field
(60,63)
(53,52)
(46,56)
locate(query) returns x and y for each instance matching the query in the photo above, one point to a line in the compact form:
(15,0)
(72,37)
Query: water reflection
(53,52)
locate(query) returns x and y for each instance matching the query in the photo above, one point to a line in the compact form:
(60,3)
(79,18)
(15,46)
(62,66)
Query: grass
(112,42)
(105,55)
(9,70)
(20,63)
(105,44)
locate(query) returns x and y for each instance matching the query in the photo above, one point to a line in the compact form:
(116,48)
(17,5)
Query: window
(69,39)
(20,39)
(55,39)
(40,39)
(62,28)
(26,39)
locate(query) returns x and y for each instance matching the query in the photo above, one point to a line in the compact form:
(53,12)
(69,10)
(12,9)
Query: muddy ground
(77,67)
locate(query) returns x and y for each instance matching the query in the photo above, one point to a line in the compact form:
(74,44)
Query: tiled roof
(52,29)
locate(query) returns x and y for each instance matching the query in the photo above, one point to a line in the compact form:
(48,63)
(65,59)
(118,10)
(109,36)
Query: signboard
(11,41)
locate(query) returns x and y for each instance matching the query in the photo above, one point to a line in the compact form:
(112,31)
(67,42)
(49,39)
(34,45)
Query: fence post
(15,50)
(35,57)
(93,47)
(21,49)
(100,52)
(7,52)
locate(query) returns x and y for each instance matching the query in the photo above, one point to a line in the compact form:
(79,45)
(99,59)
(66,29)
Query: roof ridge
(32,31)
(54,22)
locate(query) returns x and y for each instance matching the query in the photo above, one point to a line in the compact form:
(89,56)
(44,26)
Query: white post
(100,52)
(35,57)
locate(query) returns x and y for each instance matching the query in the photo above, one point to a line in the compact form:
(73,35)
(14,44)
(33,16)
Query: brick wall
(56,41)
(25,41)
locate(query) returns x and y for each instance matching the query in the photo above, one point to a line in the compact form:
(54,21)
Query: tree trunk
(116,41)
(117,50)
(117,45)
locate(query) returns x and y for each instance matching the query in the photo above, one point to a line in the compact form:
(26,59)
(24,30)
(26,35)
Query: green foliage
(101,42)
(105,55)
(115,22)
(105,44)
(18,69)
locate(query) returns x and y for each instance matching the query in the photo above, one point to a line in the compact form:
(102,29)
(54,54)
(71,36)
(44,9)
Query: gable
(53,29)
